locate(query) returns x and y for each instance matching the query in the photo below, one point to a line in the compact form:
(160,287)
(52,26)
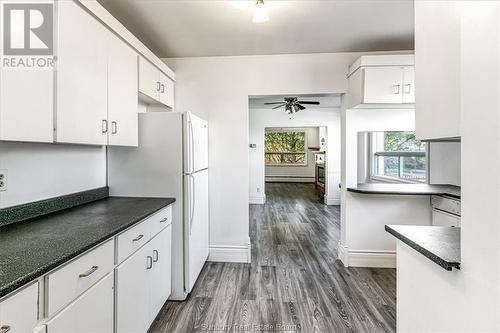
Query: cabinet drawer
(160,220)
(19,312)
(132,239)
(90,313)
(70,281)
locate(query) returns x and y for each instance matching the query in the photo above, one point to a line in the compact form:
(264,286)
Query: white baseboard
(342,253)
(386,259)
(258,200)
(331,201)
(271,179)
(357,258)
(230,253)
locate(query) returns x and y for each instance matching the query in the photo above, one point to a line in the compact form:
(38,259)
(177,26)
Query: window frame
(284,130)
(376,148)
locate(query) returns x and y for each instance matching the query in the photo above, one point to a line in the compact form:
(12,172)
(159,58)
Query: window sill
(393,180)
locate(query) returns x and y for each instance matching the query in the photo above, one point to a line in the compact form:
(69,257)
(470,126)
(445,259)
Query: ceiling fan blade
(276,107)
(301,107)
(308,102)
(274,103)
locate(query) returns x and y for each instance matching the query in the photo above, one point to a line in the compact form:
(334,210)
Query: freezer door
(196,143)
(195,226)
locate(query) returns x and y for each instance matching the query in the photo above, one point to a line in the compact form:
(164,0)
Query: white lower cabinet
(92,312)
(143,284)
(19,312)
(161,271)
(132,295)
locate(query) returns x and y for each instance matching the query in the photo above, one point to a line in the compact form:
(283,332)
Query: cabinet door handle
(149,262)
(4,328)
(114,127)
(396,88)
(162,88)
(158,86)
(155,256)
(138,238)
(407,88)
(164,220)
(104,126)
(89,272)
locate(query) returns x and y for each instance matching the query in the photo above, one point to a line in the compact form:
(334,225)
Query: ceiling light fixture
(260,13)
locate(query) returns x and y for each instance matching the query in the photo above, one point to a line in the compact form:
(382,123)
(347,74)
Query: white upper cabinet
(437,64)
(24,118)
(166,91)
(154,86)
(122,94)
(382,81)
(408,88)
(19,312)
(82,77)
(149,79)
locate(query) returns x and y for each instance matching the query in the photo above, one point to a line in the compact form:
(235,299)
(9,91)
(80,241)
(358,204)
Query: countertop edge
(447,265)
(6,289)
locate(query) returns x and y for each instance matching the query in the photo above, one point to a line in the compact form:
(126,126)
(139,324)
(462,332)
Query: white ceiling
(327,101)
(186,28)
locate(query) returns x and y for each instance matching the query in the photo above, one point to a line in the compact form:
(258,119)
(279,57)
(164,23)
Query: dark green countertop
(32,248)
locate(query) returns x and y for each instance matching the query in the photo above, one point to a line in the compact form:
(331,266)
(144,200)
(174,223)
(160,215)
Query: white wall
(468,300)
(293,173)
(364,241)
(262,118)
(444,163)
(41,171)
(217,88)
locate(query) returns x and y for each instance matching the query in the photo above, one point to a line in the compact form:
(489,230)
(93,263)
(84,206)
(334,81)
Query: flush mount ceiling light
(260,12)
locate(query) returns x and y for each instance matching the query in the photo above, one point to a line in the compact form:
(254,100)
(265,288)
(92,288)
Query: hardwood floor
(294,279)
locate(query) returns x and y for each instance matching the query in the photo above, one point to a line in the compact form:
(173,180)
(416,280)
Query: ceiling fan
(292,104)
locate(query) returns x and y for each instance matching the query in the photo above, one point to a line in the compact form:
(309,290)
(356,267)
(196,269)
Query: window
(285,147)
(398,156)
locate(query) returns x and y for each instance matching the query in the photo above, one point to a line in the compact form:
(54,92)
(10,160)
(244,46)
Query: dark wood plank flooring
(294,283)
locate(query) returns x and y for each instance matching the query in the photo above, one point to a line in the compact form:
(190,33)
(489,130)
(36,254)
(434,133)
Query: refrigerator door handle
(193,201)
(191,145)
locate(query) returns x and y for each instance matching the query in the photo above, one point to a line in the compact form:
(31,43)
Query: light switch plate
(3,180)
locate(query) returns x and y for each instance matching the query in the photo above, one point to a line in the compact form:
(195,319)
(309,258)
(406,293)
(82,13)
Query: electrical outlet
(3,180)
(258,189)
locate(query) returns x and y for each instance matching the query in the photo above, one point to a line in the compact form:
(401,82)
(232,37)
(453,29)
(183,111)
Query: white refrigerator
(171,161)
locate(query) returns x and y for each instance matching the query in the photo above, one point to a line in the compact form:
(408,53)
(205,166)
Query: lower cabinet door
(92,312)
(132,292)
(19,312)
(160,284)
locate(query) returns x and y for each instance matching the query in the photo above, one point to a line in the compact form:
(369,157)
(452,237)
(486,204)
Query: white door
(196,137)
(409,85)
(132,292)
(383,85)
(122,94)
(149,79)
(166,90)
(196,226)
(19,312)
(81,80)
(160,282)
(90,313)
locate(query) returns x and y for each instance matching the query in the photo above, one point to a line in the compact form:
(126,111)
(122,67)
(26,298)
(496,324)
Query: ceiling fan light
(296,108)
(260,14)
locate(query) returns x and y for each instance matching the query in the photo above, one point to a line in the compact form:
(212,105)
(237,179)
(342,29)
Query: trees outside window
(285,147)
